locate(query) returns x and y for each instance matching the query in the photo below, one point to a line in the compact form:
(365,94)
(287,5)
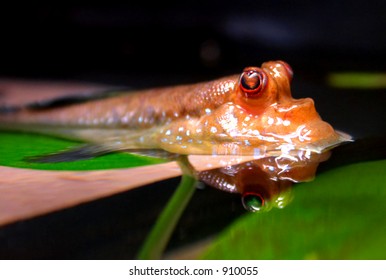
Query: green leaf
(340,215)
(15,147)
(357,80)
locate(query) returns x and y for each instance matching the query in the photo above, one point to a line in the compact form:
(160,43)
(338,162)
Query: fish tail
(8,117)
(13,119)
(7,110)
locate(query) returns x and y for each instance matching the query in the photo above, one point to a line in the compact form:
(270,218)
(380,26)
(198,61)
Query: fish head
(254,114)
(265,113)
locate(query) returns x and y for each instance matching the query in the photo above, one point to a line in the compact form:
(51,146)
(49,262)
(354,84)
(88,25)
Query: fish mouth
(308,131)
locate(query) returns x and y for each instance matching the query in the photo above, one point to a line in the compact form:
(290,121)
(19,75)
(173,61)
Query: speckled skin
(215,117)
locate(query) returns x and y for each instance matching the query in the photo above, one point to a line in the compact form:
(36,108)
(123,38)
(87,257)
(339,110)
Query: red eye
(252,82)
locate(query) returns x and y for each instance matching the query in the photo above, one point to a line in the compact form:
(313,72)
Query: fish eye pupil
(253,202)
(252,81)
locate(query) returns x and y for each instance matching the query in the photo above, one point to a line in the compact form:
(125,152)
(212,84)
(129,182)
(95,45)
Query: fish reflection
(266,182)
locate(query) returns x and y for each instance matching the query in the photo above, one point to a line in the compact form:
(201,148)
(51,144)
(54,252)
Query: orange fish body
(248,114)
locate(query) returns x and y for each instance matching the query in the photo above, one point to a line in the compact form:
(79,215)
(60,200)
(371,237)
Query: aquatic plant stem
(159,236)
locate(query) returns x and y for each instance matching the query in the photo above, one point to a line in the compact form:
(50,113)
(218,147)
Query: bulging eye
(253,202)
(288,68)
(252,82)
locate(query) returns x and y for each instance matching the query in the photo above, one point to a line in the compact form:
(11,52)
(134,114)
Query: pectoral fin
(83,152)
(89,151)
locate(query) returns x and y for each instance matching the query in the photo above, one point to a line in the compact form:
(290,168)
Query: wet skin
(248,114)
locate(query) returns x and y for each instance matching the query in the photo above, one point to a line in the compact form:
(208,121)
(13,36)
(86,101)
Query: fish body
(248,114)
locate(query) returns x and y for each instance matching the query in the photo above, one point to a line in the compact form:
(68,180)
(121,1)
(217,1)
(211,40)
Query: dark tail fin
(87,151)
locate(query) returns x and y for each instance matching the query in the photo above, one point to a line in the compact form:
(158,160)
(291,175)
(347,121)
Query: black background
(148,43)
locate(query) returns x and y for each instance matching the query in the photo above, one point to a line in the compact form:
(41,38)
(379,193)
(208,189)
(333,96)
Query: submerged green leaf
(16,147)
(340,215)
